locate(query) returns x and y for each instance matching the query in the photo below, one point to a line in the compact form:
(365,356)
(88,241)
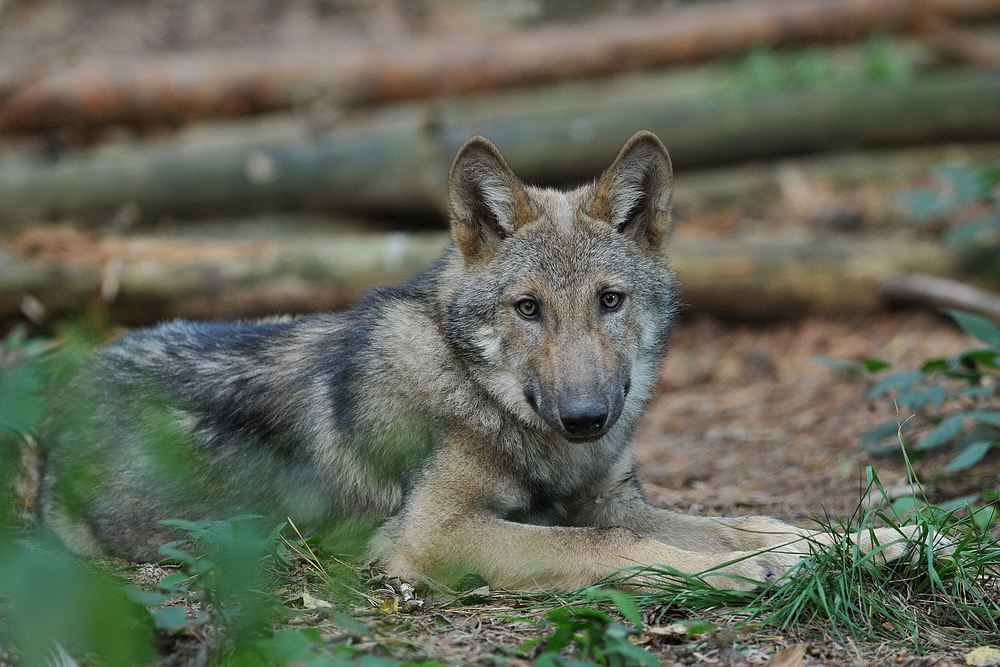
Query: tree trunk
(397,160)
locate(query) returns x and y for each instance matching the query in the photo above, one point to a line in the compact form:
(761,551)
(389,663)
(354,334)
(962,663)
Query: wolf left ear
(488,202)
(633,195)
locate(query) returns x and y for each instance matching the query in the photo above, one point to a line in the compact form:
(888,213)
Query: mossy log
(397,160)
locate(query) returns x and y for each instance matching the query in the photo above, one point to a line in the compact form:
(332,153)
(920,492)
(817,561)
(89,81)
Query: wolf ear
(633,195)
(488,202)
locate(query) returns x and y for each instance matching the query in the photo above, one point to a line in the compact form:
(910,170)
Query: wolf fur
(482,413)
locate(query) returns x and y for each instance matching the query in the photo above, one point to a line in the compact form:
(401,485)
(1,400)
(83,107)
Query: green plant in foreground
(592,637)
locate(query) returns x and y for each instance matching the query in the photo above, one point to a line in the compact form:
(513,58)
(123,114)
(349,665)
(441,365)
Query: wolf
(481,414)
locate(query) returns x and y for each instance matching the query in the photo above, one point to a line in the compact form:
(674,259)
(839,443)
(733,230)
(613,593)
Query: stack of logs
(559,100)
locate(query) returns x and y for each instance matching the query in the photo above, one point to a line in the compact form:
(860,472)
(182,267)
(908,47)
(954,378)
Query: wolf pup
(482,412)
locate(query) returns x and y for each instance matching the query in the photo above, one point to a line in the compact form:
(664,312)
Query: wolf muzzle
(583,415)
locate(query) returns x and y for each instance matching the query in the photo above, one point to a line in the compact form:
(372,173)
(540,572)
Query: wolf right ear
(488,202)
(633,195)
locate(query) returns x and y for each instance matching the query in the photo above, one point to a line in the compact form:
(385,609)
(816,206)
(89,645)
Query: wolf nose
(584,418)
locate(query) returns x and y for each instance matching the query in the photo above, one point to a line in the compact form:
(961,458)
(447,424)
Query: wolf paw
(905,542)
(752,570)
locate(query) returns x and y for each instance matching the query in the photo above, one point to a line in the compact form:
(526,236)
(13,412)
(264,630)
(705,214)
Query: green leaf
(970,456)
(875,365)
(144,597)
(871,440)
(935,365)
(978,327)
(350,623)
(175,583)
(992,418)
(627,607)
(896,381)
(915,399)
(984,517)
(178,555)
(697,628)
(169,618)
(983,357)
(289,645)
(635,655)
(901,506)
(21,400)
(944,432)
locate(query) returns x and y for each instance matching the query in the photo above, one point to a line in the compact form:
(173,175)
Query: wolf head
(561,302)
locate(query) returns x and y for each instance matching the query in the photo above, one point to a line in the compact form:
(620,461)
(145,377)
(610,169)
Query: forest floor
(745,421)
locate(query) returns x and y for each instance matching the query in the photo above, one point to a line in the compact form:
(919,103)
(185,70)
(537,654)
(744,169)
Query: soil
(747,421)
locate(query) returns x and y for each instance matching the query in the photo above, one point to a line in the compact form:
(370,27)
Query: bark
(961,43)
(397,160)
(149,279)
(103,91)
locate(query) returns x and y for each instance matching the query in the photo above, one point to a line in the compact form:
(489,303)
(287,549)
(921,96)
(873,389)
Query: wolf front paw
(750,570)
(904,542)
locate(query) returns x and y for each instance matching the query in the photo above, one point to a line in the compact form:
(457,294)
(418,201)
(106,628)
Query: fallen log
(146,279)
(140,92)
(397,160)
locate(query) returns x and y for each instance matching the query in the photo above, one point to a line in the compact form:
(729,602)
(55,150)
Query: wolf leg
(522,556)
(449,528)
(622,504)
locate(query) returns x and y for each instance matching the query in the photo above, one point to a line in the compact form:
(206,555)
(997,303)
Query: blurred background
(211,158)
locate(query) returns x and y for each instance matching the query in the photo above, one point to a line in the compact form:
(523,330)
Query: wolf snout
(585,418)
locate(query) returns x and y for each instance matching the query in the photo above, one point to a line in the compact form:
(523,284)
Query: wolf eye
(611,300)
(528,308)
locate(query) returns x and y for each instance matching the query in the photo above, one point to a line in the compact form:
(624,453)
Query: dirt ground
(747,422)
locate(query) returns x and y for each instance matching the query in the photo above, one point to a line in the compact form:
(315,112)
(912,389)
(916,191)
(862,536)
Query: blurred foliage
(953,400)
(965,202)
(49,603)
(764,69)
(21,374)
